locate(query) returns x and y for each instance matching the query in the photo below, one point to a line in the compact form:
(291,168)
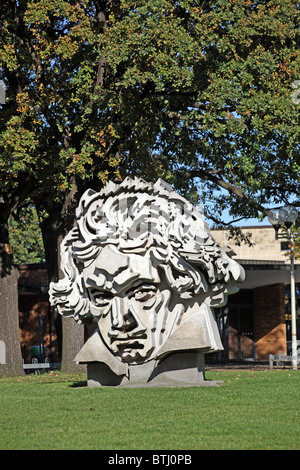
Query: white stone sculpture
(142,261)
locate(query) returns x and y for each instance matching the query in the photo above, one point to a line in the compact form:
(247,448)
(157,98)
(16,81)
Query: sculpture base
(176,370)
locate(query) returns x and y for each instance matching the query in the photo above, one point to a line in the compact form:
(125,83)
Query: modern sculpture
(143,262)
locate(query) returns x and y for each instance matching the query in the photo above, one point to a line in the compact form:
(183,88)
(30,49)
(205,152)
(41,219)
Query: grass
(250,410)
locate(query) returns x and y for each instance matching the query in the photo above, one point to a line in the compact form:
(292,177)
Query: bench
(38,366)
(280,359)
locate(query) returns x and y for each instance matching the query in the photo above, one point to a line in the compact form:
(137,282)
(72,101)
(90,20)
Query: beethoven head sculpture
(142,261)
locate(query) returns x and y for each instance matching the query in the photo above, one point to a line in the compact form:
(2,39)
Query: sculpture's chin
(133,353)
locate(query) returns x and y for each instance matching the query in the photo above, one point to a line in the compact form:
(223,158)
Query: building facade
(37,324)
(256,322)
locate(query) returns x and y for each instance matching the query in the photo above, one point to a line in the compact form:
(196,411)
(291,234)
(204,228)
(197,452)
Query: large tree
(199,93)
(212,86)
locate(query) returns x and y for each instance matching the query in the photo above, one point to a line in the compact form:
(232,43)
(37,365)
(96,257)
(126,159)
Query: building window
(284,246)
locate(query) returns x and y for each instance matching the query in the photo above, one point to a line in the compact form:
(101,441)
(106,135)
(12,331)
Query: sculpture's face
(142,261)
(133,305)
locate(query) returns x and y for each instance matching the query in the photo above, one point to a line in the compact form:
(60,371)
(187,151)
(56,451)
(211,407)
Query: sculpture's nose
(128,323)
(124,319)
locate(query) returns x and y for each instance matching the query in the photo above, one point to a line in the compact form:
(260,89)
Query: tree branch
(233,189)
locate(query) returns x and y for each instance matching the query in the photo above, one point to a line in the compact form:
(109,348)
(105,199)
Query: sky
(252,222)
(245,222)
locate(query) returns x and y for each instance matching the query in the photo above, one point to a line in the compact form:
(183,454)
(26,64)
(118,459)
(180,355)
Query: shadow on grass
(81,383)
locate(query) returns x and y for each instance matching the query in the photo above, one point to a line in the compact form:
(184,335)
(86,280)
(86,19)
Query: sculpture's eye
(143,292)
(100,298)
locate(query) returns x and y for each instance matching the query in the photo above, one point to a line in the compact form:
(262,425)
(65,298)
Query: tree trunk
(50,240)
(10,347)
(73,340)
(70,335)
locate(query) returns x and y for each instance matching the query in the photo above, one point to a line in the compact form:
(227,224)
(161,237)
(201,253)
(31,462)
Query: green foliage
(198,93)
(207,88)
(26,237)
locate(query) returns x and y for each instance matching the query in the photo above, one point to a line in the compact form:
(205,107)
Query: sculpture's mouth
(126,338)
(129,345)
(130,351)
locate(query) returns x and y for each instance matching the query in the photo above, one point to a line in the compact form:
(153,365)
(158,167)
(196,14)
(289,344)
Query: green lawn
(250,410)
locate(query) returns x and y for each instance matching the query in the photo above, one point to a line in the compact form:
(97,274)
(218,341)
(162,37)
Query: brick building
(35,314)
(254,323)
